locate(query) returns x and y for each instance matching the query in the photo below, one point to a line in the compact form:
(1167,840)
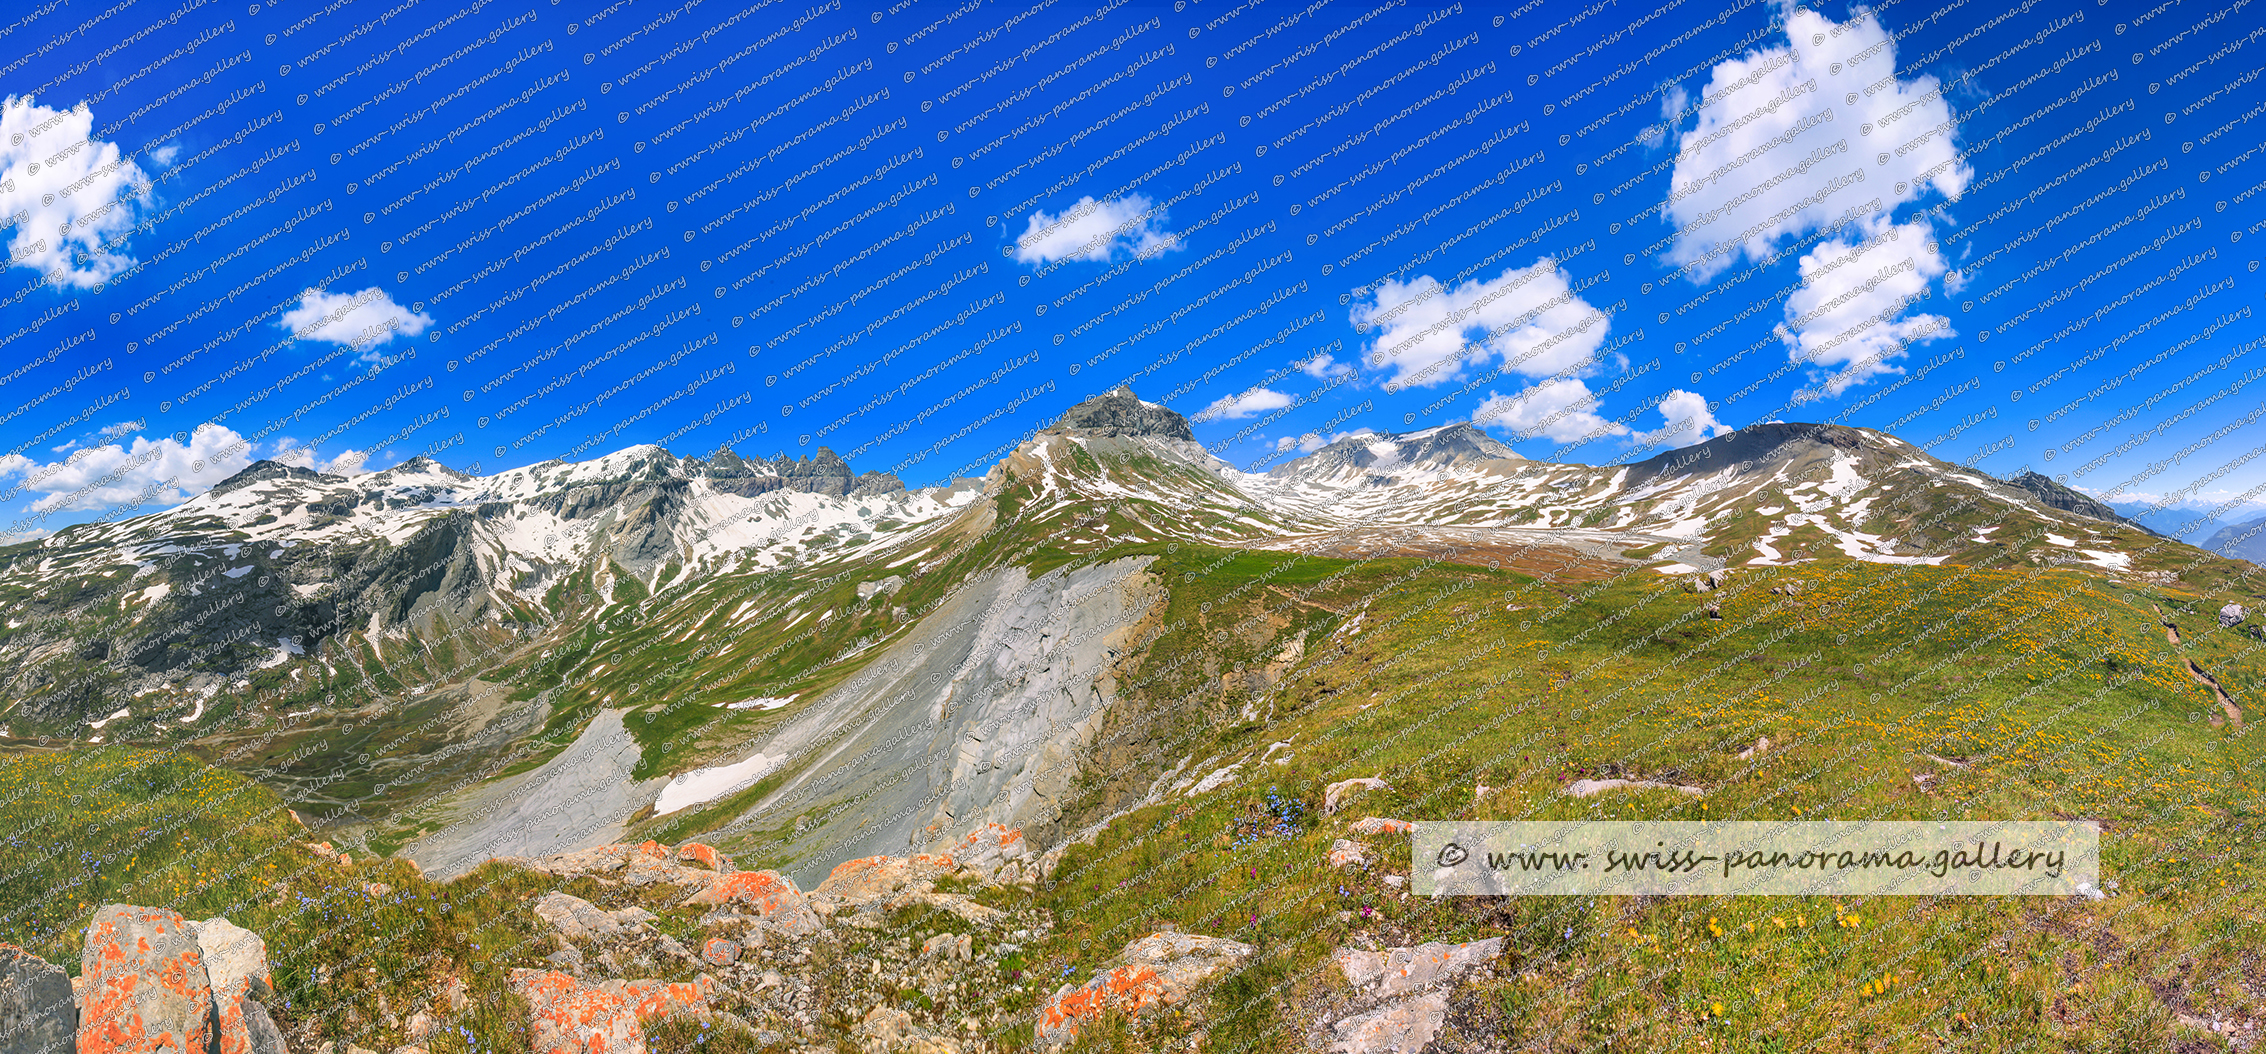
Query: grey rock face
(579,799)
(36,1013)
(265,1036)
(1121,413)
(1436,449)
(232,953)
(2060,497)
(980,715)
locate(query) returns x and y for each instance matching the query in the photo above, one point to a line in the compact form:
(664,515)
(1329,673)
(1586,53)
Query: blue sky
(345,235)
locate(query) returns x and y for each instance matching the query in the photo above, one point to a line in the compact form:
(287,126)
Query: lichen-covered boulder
(574,917)
(571,1018)
(1399,971)
(700,853)
(146,988)
(36,1012)
(992,848)
(1404,1026)
(871,877)
(1161,969)
(773,896)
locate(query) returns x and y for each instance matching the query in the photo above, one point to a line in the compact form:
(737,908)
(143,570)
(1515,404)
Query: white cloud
(1954,281)
(1778,126)
(345,463)
(1849,314)
(1248,404)
(1091,230)
(1685,420)
(75,193)
(1527,316)
(1305,444)
(1557,409)
(107,475)
(1323,366)
(363,321)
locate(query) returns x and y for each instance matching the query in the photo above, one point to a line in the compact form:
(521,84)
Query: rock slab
(1161,969)
(772,895)
(1404,1027)
(36,1012)
(1399,971)
(146,989)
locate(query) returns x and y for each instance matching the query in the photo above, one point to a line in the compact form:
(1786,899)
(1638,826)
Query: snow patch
(766,703)
(703,785)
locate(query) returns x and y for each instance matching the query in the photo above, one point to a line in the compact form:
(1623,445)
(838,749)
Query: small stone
(1381,825)
(1345,853)
(720,951)
(1346,789)
(959,946)
(568,957)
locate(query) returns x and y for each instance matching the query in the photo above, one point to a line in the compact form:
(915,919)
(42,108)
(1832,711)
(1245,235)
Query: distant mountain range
(448,609)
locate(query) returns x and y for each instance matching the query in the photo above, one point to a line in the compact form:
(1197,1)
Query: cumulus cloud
(1305,444)
(1559,409)
(1091,230)
(1850,314)
(1248,404)
(1685,420)
(76,196)
(159,472)
(1323,366)
(1528,317)
(345,463)
(364,321)
(1794,138)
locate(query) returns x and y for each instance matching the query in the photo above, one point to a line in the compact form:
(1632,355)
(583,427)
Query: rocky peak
(265,469)
(1119,412)
(2060,497)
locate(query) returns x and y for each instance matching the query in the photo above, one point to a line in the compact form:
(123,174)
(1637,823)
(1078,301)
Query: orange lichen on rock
(1128,989)
(1161,969)
(572,1018)
(145,987)
(569,1018)
(704,854)
(872,876)
(773,896)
